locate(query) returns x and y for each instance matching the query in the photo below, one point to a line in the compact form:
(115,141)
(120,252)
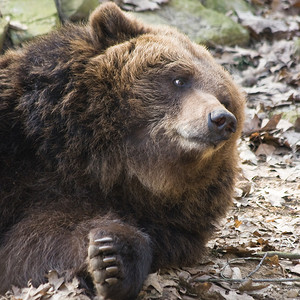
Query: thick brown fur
(108,168)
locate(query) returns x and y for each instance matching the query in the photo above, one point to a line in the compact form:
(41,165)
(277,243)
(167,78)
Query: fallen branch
(257,267)
(243,259)
(244,280)
(260,254)
(279,254)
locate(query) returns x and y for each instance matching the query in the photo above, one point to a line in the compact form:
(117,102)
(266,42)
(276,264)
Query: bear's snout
(204,122)
(221,124)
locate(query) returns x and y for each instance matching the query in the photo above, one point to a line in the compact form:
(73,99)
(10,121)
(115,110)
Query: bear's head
(175,113)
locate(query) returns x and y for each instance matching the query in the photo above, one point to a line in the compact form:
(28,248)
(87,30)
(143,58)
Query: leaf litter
(265,218)
(255,253)
(261,234)
(139,5)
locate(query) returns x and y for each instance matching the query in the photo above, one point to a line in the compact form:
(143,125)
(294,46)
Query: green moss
(3,30)
(290,116)
(191,6)
(201,24)
(297,47)
(221,29)
(78,9)
(224,6)
(38,16)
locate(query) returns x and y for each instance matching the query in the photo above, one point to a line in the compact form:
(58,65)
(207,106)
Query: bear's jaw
(170,183)
(170,175)
(199,144)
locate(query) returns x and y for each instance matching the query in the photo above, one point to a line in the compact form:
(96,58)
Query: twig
(257,267)
(264,254)
(260,205)
(243,280)
(269,253)
(279,254)
(241,259)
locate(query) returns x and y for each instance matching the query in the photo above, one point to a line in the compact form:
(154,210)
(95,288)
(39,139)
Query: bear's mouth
(200,143)
(215,144)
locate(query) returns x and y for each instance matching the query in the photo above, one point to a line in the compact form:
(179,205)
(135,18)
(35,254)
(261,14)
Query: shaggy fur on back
(107,153)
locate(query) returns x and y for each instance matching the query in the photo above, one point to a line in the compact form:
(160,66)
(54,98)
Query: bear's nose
(221,124)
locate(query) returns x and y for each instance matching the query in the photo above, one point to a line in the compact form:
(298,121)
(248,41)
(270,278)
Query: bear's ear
(111,26)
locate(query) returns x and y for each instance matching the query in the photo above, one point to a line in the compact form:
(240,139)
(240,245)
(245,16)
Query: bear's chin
(171,177)
(200,146)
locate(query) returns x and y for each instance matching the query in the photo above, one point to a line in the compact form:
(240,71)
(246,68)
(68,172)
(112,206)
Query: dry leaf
(202,287)
(297,125)
(252,125)
(249,286)
(54,280)
(272,260)
(261,25)
(295,269)
(294,293)
(42,290)
(265,149)
(289,174)
(274,196)
(154,280)
(237,222)
(272,123)
(236,273)
(142,5)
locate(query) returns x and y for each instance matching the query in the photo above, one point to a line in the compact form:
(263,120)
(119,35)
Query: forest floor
(255,253)
(256,250)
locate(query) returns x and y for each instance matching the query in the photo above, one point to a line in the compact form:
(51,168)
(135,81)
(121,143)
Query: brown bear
(118,153)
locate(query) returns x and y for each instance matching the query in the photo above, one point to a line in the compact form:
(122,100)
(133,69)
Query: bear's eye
(225,102)
(179,82)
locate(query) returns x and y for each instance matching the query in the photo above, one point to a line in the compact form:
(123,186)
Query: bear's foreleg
(119,260)
(115,255)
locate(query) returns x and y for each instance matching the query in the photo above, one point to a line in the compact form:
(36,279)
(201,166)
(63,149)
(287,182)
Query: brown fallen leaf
(265,149)
(259,25)
(245,186)
(273,260)
(249,286)
(154,280)
(202,287)
(296,3)
(297,125)
(55,280)
(271,125)
(252,125)
(237,222)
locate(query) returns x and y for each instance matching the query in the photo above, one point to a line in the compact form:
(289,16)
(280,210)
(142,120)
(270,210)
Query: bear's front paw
(105,266)
(119,259)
